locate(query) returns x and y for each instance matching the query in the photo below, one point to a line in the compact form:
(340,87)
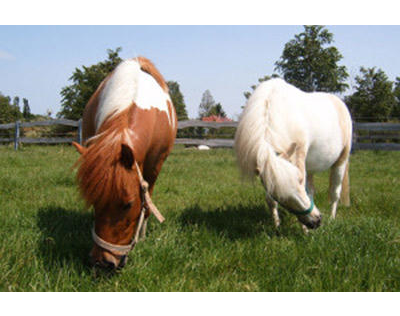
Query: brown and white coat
(129,120)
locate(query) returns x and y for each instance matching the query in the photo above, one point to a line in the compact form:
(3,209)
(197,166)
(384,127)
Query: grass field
(218,234)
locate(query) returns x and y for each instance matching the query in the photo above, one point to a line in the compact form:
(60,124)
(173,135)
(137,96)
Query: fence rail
(40,140)
(392,129)
(386,132)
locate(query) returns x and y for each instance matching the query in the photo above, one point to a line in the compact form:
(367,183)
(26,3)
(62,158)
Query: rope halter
(147,204)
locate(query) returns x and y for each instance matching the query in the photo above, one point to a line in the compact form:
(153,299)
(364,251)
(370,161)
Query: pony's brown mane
(147,66)
(101,175)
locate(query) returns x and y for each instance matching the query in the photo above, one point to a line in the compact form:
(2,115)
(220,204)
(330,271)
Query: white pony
(286,135)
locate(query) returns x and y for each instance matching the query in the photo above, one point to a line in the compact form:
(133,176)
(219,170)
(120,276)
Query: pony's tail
(345,194)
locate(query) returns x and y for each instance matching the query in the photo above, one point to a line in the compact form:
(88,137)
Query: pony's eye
(127,206)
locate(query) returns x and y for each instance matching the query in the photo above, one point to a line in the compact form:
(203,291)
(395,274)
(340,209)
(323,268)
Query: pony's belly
(321,158)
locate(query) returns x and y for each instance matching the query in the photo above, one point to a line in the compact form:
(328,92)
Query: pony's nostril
(123,261)
(109,264)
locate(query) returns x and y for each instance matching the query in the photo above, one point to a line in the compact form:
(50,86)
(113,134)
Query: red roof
(216,118)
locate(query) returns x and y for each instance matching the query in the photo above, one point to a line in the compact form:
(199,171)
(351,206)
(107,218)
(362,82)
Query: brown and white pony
(129,128)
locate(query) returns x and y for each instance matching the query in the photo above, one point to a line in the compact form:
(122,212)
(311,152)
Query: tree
(177,100)
(373,99)
(85,82)
(8,112)
(16,102)
(309,64)
(26,112)
(217,110)
(396,92)
(207,102)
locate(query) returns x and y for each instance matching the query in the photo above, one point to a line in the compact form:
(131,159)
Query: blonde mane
(256,145)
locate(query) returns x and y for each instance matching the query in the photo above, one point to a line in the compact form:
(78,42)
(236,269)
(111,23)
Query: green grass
(218,234)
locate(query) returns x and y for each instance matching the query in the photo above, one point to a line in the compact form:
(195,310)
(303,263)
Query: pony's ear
(127,157)
(79,148)
(287,155)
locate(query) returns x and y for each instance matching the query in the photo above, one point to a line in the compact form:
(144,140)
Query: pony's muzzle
(103,259)
(310,221)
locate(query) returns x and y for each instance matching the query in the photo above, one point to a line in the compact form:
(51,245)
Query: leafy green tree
(177,100)
(373,99)
(208,106)
(9,112)
(84,83)
(16,102)
(217,110)
(26,111)
(310,63)
(5,116)
(396,92)
(180,107)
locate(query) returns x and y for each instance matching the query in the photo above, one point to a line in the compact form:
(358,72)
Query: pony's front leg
(310,190)
(273,206)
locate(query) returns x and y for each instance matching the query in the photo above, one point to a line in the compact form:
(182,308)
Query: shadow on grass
(65,237)
(238,222)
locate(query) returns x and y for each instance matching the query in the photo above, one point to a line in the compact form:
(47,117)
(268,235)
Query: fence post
(354,138)
(80,131)
(16,135)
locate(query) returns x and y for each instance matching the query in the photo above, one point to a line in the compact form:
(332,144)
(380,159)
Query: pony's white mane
(253,144)
(128,84)
(119,91)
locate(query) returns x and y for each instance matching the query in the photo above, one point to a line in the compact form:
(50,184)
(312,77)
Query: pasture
(218,234)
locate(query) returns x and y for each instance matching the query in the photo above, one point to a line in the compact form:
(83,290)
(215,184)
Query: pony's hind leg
(335,185)
(273,206)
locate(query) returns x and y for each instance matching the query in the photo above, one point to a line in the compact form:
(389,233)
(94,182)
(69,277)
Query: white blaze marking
(130,84)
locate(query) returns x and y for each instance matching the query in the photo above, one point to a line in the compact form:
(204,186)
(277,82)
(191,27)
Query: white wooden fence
(379,135)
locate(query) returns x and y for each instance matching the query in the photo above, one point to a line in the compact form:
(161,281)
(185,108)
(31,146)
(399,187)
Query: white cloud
(5,55)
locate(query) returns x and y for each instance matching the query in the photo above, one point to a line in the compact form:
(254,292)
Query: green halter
(307,211)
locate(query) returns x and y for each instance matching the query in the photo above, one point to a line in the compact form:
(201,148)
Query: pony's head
(109,182)
(285,182)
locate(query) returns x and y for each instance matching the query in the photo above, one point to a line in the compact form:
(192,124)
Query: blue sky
(36,61)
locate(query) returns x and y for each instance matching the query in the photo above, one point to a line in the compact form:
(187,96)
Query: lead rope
(146,201)
(146,196)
